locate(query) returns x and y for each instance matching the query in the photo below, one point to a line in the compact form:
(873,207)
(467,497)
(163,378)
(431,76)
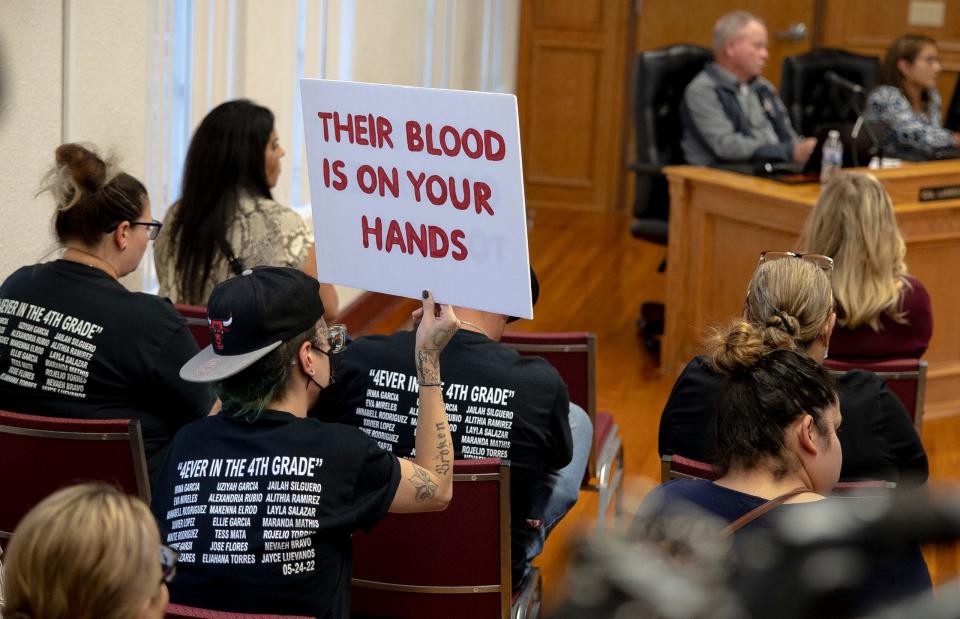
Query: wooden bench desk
(720,221)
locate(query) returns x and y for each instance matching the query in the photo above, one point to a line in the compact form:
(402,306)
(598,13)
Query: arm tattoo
(427,370)
(443,451)
(426,488)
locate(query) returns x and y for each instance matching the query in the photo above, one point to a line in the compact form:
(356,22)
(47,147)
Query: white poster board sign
(415,188)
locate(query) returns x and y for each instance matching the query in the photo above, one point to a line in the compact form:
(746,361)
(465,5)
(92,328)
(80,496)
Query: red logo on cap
(218,328)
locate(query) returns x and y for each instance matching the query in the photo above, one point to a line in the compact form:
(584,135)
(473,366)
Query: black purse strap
(235,265)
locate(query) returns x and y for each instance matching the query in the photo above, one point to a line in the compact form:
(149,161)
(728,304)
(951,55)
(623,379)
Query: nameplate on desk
(932,194)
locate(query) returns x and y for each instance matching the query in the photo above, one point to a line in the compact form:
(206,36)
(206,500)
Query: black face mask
(334,363)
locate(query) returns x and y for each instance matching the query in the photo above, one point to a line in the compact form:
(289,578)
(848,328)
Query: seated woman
(790,304)
(76,343)
(262,501)
(882,311)
(87,552)
(226,219)
(908,103)
(777,418)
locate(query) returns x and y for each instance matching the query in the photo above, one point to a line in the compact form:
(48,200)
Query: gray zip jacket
(716,128)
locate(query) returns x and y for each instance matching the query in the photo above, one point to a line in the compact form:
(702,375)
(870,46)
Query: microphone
(834,78)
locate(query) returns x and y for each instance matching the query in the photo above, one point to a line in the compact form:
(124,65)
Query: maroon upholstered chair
(679,467)
(906,378)
(39,455)
(179,611)
(454,563)
(196,317)
(574,355)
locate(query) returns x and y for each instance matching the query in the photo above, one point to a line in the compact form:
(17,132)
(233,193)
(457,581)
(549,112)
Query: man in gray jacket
(731,114)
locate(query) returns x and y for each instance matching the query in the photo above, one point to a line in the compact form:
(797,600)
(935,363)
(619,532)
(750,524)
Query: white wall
(30,126)
(71,75)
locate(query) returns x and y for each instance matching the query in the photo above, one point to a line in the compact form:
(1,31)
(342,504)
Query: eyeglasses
(168,563)
(336,338)
(153,228)
(824,262)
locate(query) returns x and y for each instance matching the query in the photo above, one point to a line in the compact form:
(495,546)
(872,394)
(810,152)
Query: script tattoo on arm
(426,488)
(443,451)
(427,367)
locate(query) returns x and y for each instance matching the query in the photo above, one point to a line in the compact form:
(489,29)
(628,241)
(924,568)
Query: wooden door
(571,89)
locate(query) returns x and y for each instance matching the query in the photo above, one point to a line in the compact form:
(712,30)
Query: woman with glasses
(789,306)
(882,311)
(87,552)
(226,219)
(907,101)
(74,342)
(260,500)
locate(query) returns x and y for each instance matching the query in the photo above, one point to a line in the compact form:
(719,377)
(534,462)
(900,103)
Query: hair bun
(86,169)
(738,346)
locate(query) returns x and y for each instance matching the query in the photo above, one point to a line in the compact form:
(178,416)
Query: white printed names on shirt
(483,428)
(221,512)
(64,344)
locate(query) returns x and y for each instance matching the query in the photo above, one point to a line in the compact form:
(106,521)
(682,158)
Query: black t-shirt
(262,511)
(75,343)
(878,439)
(499,405)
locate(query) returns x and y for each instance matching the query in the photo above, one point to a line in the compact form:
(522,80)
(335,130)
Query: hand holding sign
(411,185)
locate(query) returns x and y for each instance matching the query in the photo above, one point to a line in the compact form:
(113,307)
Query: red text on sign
(425,240)
(362,129)
(438,189)
(450,142)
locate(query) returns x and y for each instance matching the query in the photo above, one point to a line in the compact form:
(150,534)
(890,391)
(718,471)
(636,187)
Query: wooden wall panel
(571,90)
(567,77)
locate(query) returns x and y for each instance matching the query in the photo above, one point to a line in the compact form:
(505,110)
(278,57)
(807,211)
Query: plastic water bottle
(832,159)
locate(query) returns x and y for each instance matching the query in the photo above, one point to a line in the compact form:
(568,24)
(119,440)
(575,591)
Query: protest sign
(415,188)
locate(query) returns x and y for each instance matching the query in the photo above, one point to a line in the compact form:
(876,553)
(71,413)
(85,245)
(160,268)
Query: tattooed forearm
(443,450)
(425,486)
(428,367)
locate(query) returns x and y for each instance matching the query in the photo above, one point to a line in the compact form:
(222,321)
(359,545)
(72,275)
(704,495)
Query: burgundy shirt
(894,340)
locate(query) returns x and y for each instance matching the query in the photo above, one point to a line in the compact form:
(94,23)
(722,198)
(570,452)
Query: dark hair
(763,394)
(252,390)
(225,159)
(92,197)
(906,47)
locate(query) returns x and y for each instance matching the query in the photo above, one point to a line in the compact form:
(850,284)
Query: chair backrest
(574,355)
(196,317)
(906,378)
(454,563)
(813,101)
(39,455)
(678,467)
(660,78)
(179,611)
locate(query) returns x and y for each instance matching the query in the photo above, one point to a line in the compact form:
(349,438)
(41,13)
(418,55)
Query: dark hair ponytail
(225,159)
(764,393)
(92,196)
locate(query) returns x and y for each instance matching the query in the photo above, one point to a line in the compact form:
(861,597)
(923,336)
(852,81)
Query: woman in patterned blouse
(226,219)
(908,101)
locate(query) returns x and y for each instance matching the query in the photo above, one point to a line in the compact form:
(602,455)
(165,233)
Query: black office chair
(660,79)
(811,100)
